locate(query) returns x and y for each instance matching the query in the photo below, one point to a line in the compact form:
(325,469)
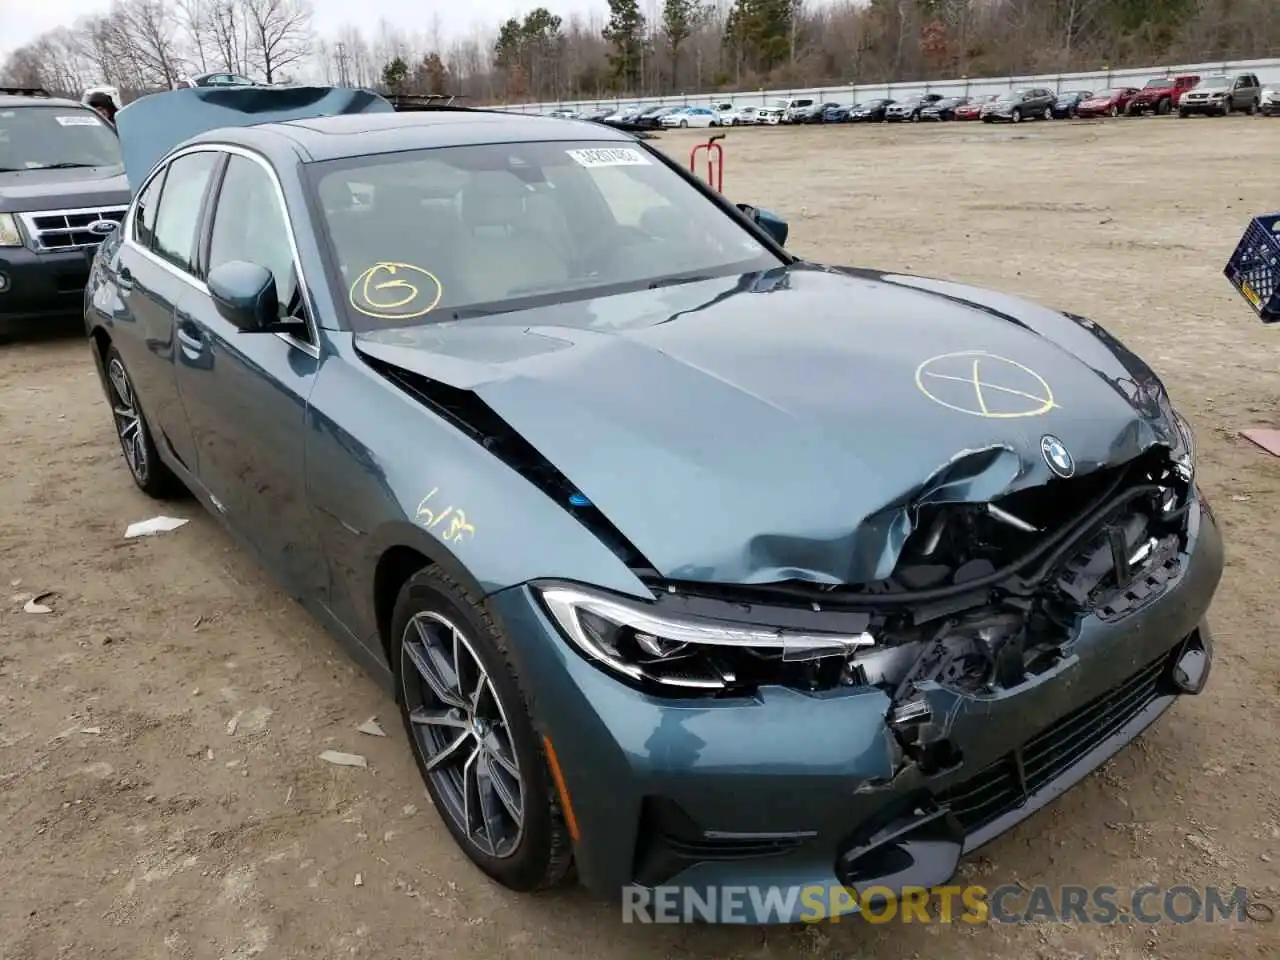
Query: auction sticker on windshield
(609,157)
(81,121)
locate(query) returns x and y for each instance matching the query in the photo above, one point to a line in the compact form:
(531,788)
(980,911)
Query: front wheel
(472,737)
(1183,114)
(1016,116)
(1164,106)
(1114,111)
(684,124)
(151,474)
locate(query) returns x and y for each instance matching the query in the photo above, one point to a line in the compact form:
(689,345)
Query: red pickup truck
(1161,95)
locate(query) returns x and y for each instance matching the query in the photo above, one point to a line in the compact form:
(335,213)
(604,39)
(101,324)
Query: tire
(538,852)
(1253,108)
(1164,106)
(1016,116)
(684,124)
(1230,105)
(1114,111)
(915,118)
(1048,113)
(1183,114)
(151,474)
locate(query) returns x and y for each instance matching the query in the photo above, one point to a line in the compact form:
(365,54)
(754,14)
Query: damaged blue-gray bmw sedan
(689,562)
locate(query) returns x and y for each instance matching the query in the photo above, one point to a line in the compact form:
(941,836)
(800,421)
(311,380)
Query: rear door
(155,275)
(246,393)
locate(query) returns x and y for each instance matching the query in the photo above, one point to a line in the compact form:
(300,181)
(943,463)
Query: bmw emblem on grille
(1057,456)
(102,228)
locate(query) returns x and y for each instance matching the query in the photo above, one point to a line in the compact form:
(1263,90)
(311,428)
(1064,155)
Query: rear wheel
(684,123)
(1114,111)
(1253,108)
(152,476)
(472,737)
(1048,113)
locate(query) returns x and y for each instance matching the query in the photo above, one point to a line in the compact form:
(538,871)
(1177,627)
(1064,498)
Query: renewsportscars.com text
(1010,903)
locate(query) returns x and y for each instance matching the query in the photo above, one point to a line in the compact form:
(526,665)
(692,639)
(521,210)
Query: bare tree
(148,31)
(195,19)
(279,33)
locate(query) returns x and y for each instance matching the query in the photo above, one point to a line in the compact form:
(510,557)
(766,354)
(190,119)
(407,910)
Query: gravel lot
(159,789)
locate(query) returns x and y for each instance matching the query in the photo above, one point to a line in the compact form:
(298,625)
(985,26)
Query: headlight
(650,648)
(1184,454)
(9,235)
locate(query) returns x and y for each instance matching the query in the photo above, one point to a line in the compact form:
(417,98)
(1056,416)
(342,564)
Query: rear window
(41,137)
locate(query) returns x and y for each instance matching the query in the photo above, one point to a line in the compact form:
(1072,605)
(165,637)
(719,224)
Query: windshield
(443,234)
(1158,84)
(1215,82)
(1108,94)
(36,137)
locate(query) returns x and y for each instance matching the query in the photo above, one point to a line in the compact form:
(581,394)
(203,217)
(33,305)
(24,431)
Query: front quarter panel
(385,472)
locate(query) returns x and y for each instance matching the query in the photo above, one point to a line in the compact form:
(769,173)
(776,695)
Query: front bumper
(1202,106)
(42,286)
(793,790)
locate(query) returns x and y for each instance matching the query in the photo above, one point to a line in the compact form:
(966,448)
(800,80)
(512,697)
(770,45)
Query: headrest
(493,199)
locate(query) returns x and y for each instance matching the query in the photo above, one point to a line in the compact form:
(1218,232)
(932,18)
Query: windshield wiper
(67,165)
(676,281)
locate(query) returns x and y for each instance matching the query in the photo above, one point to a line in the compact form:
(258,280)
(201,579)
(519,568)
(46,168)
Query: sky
(21,21)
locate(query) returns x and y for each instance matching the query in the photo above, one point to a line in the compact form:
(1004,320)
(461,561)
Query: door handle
(124,278)
(190,338)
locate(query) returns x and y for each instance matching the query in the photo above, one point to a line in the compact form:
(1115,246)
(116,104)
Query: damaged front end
(1017,644)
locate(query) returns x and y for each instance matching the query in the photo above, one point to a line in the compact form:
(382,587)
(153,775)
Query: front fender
(384,471)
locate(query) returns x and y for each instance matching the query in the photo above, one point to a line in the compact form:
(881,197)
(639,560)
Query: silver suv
(1220,95)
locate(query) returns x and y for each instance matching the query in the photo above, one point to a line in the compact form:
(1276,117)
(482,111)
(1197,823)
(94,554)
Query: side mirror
(771,223)
(245,293)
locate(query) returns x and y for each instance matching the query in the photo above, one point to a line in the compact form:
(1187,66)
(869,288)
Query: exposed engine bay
(984,596)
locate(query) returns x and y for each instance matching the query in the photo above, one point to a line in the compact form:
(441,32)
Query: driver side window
(250,225)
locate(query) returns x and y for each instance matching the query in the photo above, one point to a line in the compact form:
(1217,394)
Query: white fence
(1268,71)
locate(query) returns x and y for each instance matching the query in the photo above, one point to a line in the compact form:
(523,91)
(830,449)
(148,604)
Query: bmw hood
(784,426)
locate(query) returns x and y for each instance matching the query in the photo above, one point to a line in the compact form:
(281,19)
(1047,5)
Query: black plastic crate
(1254,269)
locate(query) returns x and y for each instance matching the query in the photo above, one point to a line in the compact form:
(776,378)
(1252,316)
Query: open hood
(152,126)
(785,426)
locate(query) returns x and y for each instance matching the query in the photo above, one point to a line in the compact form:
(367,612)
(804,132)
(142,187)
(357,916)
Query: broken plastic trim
(668,638)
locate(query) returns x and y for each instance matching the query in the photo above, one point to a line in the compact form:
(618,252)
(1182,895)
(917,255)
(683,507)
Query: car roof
(371,134)
(8,101)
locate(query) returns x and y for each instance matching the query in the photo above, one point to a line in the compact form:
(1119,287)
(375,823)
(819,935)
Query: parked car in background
(691,117)
(793,108)
(1219,95)
(563,113)
(1269,104)
(626,114)
(1066,104)
(909,110)
(749,116)
(62,191)
(1107,103)
(1023,103)
(727,113)
(772,116)
(213,80)
(944,109)
(870,111)
(651,119)
(814,114)
(973,109)
(1161,94)
(598,115)
(837,113)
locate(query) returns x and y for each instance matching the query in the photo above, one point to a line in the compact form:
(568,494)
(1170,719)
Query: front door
(246,393)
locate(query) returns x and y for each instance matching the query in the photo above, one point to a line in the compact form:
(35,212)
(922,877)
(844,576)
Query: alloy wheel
(124,408)
(461,730)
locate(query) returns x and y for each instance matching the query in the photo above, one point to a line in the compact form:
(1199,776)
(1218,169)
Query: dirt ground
(160,792)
